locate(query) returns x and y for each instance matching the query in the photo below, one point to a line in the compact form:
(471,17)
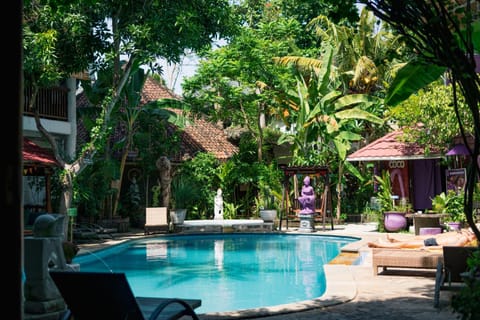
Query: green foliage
(466,301)
(90,189)
(450,203)
(269,195)
(411,78)
(185,193)
(230,210)
(384,194)
(156,191)
(202,171)
(58,39)
(433,107)
(357,194)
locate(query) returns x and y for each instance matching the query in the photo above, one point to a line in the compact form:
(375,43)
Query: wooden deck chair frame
(449,270)
(156,220)
(108,296)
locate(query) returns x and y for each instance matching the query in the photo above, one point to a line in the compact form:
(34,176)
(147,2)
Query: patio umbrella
(457,150)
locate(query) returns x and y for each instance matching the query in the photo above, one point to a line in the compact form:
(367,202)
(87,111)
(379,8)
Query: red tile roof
(204,136)
(199,136)
(389,147)
(34,154)
(154,90)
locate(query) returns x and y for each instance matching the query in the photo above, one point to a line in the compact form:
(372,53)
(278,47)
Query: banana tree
(326,119)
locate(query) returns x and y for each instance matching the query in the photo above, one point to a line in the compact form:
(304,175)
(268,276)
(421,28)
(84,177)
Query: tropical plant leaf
(349,136)
(411,78)
(342,147)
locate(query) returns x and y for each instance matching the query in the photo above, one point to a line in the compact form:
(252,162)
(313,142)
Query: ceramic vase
(395,221)
(454,226)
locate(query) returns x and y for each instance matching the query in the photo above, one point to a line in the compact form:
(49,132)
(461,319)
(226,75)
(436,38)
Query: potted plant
(451,204)
(393,216)
(267,205)
(269,194)
(184,196)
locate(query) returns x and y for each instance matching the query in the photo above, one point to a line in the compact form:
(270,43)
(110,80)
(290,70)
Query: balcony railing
(52,103)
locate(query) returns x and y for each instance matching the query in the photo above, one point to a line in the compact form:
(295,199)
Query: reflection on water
(218,247)
(156,251)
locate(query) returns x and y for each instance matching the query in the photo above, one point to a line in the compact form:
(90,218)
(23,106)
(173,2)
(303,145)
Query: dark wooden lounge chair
(448,275)
(108,296)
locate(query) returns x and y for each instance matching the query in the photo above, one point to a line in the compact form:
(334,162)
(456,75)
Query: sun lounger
(156,220)
(449,270)
(404,258)
(108,296)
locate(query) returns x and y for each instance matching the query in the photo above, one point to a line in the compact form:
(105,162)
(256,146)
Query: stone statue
(49,225)
(164,167)
(134,191)
(218,207)
(307,197)
(44,252)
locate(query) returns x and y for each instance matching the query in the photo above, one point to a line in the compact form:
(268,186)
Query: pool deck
(353,292)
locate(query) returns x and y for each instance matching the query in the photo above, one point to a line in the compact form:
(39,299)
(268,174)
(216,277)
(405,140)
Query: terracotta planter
(394,221)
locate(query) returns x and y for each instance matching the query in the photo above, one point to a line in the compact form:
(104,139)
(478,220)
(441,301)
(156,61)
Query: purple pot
(454,226)
(394,221)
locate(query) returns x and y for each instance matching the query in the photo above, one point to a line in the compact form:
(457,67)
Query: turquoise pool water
(227,272)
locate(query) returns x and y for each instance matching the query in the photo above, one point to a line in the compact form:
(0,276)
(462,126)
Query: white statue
(218,207)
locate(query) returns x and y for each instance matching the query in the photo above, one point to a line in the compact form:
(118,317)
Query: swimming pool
(228,272)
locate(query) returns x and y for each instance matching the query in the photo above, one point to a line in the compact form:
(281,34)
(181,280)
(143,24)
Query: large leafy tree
(432,107)
(63,37)
(240,84)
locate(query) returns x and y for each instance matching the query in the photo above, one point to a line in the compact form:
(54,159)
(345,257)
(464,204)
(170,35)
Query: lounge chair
(156,220)
(108,296)
(404,258)
(448,276)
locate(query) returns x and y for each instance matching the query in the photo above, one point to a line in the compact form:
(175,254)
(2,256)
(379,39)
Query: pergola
(319,173)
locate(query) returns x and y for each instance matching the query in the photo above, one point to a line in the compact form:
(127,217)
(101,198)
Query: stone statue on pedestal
(44,252)
(218,207)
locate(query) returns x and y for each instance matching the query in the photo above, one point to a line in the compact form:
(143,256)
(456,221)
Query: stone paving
(354,293)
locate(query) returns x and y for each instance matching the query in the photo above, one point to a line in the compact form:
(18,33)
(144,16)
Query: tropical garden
(320,80)
(315,80)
